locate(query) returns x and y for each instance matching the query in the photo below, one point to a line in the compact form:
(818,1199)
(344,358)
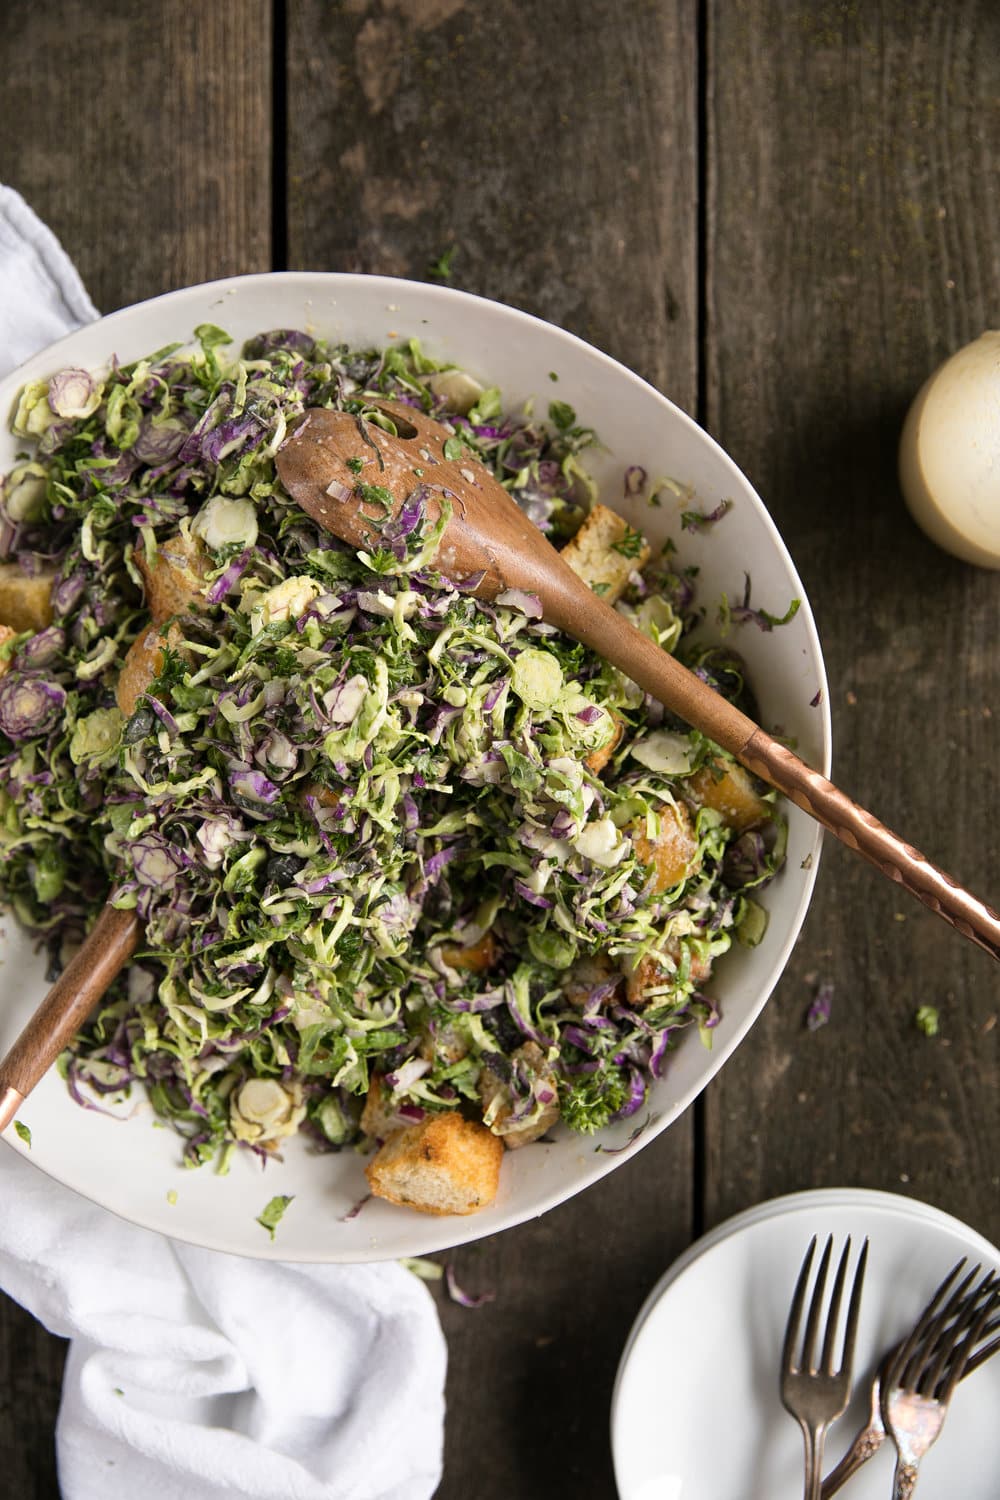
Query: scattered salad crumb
(172,1197)
(463,1298)
(274,1213)
(699,520)
(421,1267)
(927,1020)
(818,1013)
(23,1132)
(441,268)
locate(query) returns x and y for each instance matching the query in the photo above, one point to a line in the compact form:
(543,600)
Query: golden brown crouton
(6,634)
(444,1165)
(649,974)
(585,976)
(324,795)
(605,551)
(672,851)
(732,795)
(25,601)
(476,958)
(143,662)
(497,1103)
(175,577)
(598,759)
(379,1118)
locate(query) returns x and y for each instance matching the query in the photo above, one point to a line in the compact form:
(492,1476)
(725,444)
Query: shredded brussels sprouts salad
(372,827)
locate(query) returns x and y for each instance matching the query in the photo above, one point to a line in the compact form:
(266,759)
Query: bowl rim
(427,1232)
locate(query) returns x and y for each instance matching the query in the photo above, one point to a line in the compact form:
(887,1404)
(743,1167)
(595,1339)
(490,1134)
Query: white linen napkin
(194,1375)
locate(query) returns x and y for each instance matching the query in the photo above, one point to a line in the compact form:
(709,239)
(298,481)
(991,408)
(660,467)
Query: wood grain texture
(141,134)
(552,146)
(853,244)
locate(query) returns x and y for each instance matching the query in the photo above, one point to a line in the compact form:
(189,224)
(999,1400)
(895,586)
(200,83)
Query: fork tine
(932,1320)
(939,1350)
(957,1365)
(815,1308)
(833,1312)
(854,1310)
(795,1311)
(957,1368)
(988,1350)
(904,1350)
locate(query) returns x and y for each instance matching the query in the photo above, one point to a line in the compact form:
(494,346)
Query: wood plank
(554,148)
(853,244)
(141,135)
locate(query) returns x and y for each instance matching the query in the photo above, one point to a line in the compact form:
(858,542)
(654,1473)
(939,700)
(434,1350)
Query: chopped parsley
(23,1132)
(441,268)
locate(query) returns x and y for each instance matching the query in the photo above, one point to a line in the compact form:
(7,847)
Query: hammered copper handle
(660,674)
(489,545)
(863,832)
(104,952)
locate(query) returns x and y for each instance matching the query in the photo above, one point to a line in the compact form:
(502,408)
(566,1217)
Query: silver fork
(922,1375)
(816,1394)
(873,1434)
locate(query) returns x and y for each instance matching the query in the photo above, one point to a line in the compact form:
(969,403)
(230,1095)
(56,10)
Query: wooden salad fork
(817,1393)
(489,547)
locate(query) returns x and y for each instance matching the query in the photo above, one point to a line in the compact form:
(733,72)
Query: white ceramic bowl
(135,1170)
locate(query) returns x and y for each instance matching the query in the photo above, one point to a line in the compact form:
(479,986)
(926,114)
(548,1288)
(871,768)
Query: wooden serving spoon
(352,476)
(329,466)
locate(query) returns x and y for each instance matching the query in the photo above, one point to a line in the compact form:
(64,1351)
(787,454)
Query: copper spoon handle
(104,953)
(606,631)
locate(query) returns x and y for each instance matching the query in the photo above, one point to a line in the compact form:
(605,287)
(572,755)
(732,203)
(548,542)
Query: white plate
(696,1413)
(132,1168)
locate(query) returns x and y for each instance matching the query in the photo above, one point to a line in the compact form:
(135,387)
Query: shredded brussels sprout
(354,808)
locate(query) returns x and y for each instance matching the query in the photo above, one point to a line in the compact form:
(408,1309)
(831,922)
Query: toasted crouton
(174,577)
(672,851)
(587,975)
(444,1165)
(143,662)
(732,794)
(6,634)
(598,759)
(497,1103)
(604,552)
(476,958)
(25,599)
(649,974)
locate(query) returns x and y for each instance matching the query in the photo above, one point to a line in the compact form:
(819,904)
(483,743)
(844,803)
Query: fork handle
(814,1438)
(867,1443)
(904,1481)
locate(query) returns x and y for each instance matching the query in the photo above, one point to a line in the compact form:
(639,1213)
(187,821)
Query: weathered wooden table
(782,214)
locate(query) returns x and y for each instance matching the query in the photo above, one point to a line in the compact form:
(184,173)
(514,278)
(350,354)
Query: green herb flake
(600,589)
(441,269)
(273,1213)
(453,448)
(927,1020)
(631,544)
(355,464)
(562,415)
(553,375)
(23,1132)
